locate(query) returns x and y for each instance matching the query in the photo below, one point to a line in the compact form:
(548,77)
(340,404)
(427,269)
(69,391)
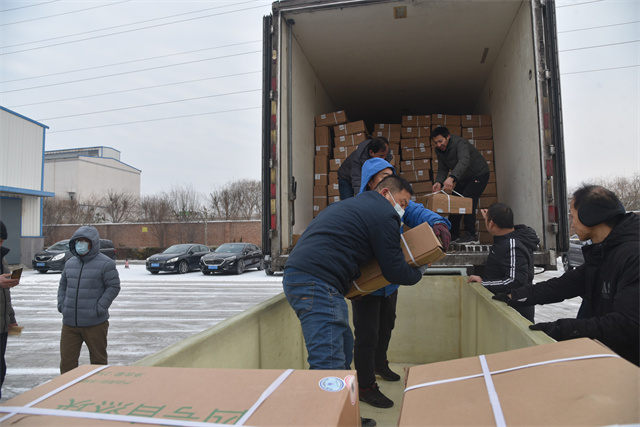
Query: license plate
(213,267)
(155,265)
(39,264)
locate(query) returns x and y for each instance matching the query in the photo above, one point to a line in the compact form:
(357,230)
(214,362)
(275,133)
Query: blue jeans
(324,316)
(345,189)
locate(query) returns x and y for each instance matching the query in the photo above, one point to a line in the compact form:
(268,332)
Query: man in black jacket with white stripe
(510,261)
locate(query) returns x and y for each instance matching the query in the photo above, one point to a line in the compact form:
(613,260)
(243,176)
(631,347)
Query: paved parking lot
(150,313)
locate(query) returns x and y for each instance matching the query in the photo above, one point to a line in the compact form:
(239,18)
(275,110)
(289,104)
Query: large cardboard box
(331,119)
(416,153)
(392,127)
(453,129)
(347,140)
(323,136)
(446,120)
(343,152)
(350,128)
(334,164)
(388,135)
(319,205)
(477,133)
(321,170)
(420,247)
(482,144)
(577,382)
(416,176)
(442,202)
(490,190)
(471,120)
(333,190)
(261,397)
(415,143)
(413,165)
(422,187)
(410,121)
(416,132)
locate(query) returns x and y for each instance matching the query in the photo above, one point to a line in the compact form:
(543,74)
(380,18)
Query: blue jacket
(88,284)
(414,215)
(349,233)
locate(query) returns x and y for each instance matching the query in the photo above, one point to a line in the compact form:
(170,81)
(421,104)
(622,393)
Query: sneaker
(386,373)
(467,239)
(374,397)
(368,422)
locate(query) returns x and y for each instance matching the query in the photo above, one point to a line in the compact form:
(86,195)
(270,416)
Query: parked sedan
(181,258)
(233,257)
(573,258)
(56,255)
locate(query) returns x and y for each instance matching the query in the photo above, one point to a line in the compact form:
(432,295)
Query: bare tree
(119,206)
(156,210)
(236,200)
(223,203)
(186,208)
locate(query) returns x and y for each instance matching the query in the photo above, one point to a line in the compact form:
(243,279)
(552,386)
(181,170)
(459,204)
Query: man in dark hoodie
(88,285)
(608,280)
(461,168)
(510,261)
(7,317)
(349,173)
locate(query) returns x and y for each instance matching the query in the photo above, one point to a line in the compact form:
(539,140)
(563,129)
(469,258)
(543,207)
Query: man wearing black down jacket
(607,281)
(88,285)
(510,261)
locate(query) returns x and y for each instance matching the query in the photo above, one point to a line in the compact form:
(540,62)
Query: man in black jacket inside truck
(468,174)
(608,280)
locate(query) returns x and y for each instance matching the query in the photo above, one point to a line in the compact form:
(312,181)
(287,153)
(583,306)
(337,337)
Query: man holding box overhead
(374,314)
(468,174)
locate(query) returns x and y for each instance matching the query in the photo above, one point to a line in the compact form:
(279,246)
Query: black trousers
(373,319)
(472,189)
(3,366)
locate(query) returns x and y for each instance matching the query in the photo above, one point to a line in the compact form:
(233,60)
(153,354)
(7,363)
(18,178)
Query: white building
(21,184)
(89,173)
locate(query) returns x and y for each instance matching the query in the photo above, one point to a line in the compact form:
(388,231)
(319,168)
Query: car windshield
(59,246)
(230,248)
(177,249)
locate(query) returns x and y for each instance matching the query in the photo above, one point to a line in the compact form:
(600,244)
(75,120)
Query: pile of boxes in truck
(414,157)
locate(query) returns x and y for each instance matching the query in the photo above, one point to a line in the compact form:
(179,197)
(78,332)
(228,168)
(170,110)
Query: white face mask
(82,248)
(397,207)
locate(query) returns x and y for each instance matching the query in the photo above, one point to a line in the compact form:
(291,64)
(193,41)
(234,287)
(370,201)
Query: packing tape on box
(486,373)
(27,409)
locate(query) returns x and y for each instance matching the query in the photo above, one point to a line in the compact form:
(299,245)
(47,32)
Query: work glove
(442,231)
(423,268)
(504,297)
(560,330)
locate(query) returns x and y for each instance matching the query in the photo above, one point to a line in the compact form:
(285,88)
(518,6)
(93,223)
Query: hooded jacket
(414,215)
(8,315)
(608,284)
(88,284)
(462,159)
(510,261)
(349,233)
(351,168)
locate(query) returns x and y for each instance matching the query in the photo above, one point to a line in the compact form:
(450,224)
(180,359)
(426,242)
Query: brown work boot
(374,397)
(386,373)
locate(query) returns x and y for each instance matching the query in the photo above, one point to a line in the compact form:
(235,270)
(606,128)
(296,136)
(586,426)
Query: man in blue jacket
(88,285)
(374,314)
(326,260)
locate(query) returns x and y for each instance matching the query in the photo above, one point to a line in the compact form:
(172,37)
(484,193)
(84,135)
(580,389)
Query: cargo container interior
(386,59)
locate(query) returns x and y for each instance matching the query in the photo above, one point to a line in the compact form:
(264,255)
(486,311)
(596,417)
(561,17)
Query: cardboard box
(422,187)
(446,120)
(490,190)
(492,176)
(320,192)
(487,154)
(453,129)
(485,202)
(416,176)
(350,128)
(416,153)
(415,143)
(321,170)
(331,119)
(471,120)
(333,178)
(349,140)
(542,385)
(413,165)
(333,190)
(416,132)
(334,164)
(449,203)
(319,205)
(419,244)
(410,121)
(343,152)
(491,164)
(477,133)
(388,135)
(333,199)
(220,396)
(393,127)
(482,144)
(323,136)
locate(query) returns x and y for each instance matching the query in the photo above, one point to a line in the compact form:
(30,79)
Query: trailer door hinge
(552,150)
(547,74)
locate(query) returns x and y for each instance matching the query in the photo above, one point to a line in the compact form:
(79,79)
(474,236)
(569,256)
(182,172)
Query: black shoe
(386,373)
(467,239)
(374,397)
(368,422)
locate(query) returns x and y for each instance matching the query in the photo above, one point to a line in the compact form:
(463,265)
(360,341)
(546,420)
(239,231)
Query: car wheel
(240,267)
(565,263)
(183,267)
(268,271)
(154,272)
(42,271)
(206,273)
(261,265)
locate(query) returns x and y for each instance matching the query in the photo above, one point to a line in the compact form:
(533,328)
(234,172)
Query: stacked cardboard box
(415,152)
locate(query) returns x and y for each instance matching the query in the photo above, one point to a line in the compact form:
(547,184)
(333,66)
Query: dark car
(56,255)
(232,257)
(574,258)
(181,258)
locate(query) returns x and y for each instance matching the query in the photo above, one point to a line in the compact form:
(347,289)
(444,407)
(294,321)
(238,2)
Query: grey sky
(186,76)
